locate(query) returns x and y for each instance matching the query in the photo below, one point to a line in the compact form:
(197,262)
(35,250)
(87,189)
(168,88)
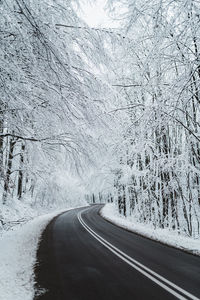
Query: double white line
(169,286)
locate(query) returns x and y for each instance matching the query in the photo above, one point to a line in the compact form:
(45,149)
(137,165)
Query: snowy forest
(102,114)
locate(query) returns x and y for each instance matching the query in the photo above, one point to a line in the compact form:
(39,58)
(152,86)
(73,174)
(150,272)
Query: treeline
(49,99)
(157,180)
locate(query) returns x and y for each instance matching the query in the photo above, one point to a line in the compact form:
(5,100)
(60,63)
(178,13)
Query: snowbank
(110,213)
(16,212)
(17,258)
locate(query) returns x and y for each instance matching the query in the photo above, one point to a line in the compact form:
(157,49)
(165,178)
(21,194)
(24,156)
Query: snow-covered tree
(53,99)
(157,74)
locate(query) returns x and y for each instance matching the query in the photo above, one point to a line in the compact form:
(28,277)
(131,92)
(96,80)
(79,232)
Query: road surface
(84,257)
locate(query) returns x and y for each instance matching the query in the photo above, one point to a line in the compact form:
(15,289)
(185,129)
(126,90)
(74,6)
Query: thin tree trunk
(9,168)
(20,176)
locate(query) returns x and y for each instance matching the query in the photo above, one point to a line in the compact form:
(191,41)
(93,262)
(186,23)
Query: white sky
(95,15)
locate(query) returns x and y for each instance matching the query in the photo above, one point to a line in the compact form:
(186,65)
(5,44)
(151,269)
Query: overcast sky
(95,14)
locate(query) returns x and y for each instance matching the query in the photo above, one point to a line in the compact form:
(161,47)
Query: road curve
(84,257)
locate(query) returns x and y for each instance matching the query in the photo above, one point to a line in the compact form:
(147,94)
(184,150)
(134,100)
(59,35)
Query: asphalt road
(84,257)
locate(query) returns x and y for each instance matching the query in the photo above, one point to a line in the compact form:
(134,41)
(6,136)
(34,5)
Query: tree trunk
(9,168)
(20,176)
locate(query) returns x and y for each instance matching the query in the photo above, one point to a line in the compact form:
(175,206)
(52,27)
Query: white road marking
(138,266)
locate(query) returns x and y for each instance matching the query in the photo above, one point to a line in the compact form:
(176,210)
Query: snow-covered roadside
(18,249)
(110,213)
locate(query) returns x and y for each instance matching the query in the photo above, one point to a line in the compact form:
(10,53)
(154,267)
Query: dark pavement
(85,257)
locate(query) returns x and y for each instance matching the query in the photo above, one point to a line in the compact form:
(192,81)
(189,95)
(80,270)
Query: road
(84,257)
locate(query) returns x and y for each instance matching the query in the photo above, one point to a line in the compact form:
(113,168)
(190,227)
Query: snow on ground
(18,256)
(16,212)
(110,212)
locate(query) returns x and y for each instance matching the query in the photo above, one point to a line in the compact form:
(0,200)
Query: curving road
(84,257)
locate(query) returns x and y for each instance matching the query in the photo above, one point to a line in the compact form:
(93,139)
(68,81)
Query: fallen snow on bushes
(110,212)
(18,249)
